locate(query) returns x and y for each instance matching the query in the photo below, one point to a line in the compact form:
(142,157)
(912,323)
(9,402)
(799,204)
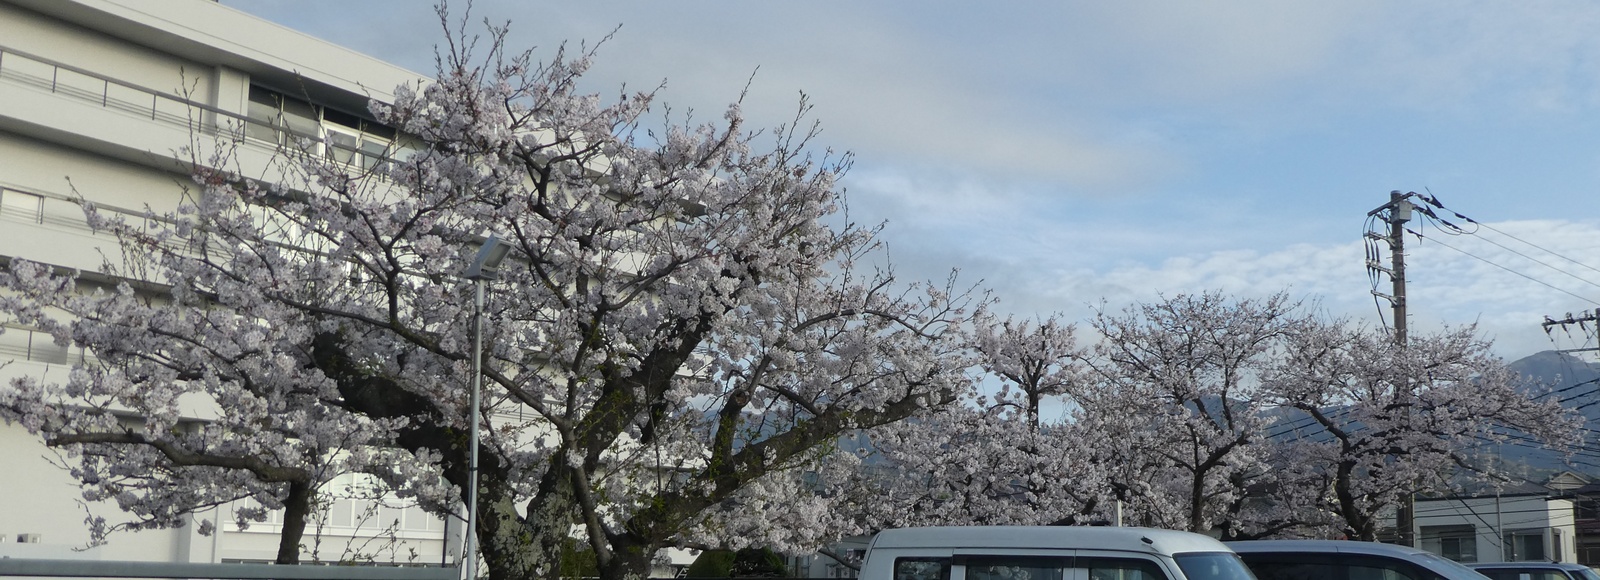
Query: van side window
(1380,572)
(921,569)
(1293,567)
(1522,574)
(1016,567)
(1121,569)
(1376,568)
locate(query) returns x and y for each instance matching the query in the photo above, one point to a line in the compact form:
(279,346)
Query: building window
(343,137)
(1525,545)
(281,119)
(360,502)
(1459,543)
(356,502)
(22,206)
(1588,509)
(351,139)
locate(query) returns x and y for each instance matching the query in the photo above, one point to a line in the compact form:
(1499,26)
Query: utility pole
(1583,320)
(1397,212)
(1398,216)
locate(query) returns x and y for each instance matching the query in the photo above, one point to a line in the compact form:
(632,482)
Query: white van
(1048,553)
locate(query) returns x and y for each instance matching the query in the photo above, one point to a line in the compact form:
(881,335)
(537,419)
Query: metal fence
(19,567)
(14,567)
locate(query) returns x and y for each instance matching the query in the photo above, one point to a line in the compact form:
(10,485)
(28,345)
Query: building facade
(1517,522)
(112,101)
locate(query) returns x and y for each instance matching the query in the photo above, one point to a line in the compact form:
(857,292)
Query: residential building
(1520,522)
(1586,500)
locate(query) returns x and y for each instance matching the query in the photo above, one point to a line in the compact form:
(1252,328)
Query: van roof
(1047,537)
(1528,565)
(1323,546)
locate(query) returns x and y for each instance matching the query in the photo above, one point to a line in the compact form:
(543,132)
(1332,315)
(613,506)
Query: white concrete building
(97,99)
(1498,528)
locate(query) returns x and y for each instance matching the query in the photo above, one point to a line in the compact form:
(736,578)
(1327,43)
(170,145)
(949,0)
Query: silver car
(1535,571)
(1346,560)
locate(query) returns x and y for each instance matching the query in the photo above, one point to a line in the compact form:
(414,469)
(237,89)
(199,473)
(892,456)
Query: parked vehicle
(1048,553)
(1535,571)
(1346,560)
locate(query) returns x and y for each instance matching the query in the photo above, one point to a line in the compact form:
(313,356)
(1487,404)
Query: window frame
(10,208)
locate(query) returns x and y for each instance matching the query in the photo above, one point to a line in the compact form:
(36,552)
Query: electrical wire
(1432,200)
(1568,388)
(1481,259)
(1371,238)
(1445,226)
(1531,258)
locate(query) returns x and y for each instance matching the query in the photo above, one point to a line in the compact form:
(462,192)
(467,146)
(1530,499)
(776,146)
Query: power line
(1541,262)
(1371,239)
(1481,259)
(1434,201)
(1453,229)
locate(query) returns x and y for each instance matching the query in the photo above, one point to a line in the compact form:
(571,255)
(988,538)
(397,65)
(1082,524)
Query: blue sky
(1073,152)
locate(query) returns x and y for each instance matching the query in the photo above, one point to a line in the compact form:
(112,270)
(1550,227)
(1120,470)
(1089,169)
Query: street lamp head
(486,264)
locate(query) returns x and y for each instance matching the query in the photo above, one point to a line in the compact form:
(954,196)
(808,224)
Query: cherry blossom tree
(1012,456)
(1383,421)
(182,407)
(1160,420)
(1283,497)
(1245,417)
(677,333)
(1186,370)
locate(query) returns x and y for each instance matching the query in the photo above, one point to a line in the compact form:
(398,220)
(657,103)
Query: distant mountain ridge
(1557,371)
(1576,384)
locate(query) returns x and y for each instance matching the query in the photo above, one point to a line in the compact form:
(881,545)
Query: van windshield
(1212,566)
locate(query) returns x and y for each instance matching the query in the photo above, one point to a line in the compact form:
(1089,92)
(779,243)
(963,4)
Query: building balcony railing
(62,79)
(29,344)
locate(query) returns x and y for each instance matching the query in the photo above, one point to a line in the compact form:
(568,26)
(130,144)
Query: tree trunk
(296,508)
(1358,524)
(630,560)
(1197,503)
(518,548)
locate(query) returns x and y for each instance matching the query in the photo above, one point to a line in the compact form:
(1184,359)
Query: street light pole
(471,530)
(483,268)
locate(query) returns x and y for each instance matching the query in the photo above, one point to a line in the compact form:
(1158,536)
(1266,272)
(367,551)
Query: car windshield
(1212,566)
(1585,574)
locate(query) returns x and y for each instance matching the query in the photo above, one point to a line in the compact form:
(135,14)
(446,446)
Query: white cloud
(1098,96)
(1444,286)
(1067,152)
